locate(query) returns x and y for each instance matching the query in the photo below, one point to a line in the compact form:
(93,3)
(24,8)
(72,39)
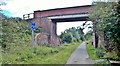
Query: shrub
(99,52)
(112,56)
(106,23)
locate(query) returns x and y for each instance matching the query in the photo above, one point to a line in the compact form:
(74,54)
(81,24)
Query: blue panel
(33,26)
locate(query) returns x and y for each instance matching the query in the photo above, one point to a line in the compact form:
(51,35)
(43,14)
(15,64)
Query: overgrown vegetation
(88,36)
(91,51)
(96,54)
(15,42)
(74,34)
(106,23)
(14,32)
(42,54)
(104,62)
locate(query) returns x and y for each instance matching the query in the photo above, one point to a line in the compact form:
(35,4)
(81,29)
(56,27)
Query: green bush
(14,32)
(102,63)
(112,56)
(99,52)
(106,23)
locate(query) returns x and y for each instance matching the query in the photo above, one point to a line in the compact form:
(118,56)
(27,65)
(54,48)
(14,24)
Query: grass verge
(96,54)
(91,51)
(41,55)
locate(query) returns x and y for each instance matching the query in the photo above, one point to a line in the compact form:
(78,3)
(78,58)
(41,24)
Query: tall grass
(16,46)
(42,54)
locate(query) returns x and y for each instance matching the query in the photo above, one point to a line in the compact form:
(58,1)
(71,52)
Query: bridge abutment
(50,28)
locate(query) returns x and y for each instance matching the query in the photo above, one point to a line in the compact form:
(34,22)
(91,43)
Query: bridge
(47,19)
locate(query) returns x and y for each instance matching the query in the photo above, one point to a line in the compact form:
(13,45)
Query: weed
(42,54)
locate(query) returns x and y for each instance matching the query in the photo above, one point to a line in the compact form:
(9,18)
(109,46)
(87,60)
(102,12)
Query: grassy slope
(18,46)
(42,54)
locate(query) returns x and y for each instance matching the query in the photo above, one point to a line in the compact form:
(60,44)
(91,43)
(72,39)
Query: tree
(106,21)
(72,35)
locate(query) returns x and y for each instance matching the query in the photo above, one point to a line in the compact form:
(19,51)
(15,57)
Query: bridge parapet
(28,16)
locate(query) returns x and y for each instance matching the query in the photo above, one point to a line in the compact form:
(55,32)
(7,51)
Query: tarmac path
(80,56)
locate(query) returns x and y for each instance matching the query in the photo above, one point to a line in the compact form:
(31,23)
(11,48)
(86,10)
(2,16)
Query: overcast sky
(17,8)
(20,7)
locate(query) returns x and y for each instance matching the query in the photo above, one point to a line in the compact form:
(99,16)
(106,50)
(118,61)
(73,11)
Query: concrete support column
(95,40)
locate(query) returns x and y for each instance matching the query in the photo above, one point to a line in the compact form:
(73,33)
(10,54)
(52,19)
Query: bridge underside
(70,19)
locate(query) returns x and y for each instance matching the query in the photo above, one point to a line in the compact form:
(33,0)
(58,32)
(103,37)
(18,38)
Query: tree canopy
(106,22)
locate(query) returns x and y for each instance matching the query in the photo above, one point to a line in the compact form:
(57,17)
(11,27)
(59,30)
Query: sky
(17,8)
